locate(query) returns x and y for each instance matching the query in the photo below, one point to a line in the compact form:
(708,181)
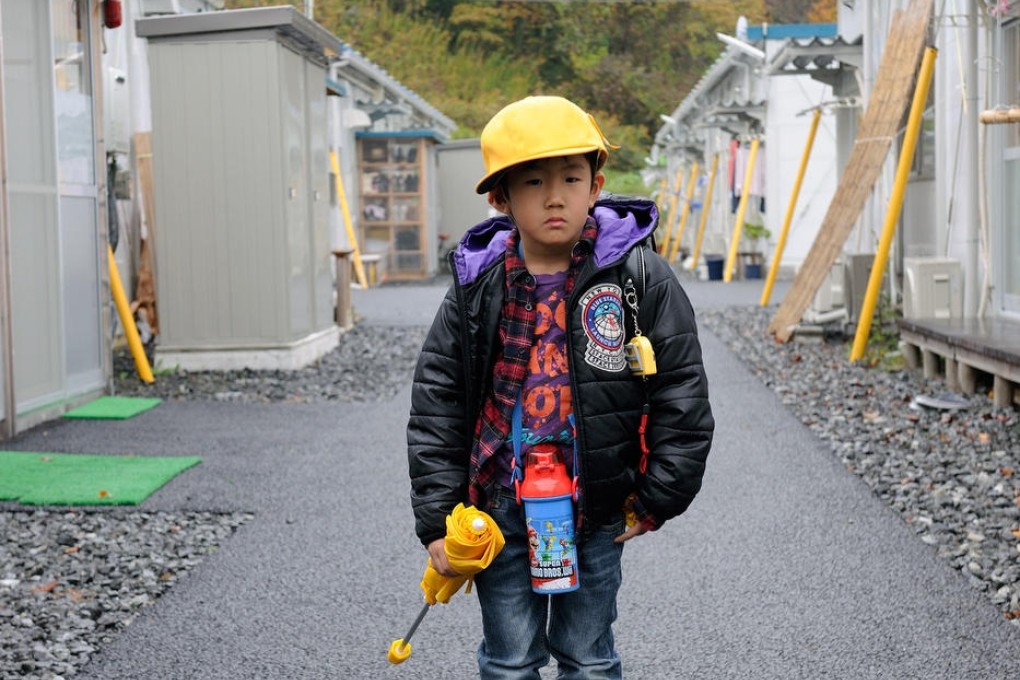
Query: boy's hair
(499,183)
(538,127)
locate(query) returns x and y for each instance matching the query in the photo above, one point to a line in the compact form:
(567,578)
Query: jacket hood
(623,221)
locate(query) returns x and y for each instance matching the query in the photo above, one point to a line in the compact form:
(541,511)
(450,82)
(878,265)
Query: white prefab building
(956,261)
(54,341)
(954,270)
(737,101)
(963,198)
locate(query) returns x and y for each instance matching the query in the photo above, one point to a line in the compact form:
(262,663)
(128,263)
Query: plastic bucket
(715,267)
(551,548)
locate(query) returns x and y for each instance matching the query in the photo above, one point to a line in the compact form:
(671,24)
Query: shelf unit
(393,203)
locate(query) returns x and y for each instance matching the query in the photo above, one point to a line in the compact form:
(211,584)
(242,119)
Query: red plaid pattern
(516,331)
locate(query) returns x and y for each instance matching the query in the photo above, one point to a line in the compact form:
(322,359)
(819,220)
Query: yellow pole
(359,268)
(705,204)
(738,228)
(781,244)
(685,212)
(895,203)
(664,248)
(128,321)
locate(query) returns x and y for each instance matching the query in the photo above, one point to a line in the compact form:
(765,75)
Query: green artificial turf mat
(113,408)
(76,479)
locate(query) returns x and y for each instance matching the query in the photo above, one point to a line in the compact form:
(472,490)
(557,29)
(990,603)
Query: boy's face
(549,200)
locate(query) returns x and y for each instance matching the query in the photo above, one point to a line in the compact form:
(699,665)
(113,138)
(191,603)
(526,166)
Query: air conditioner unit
(830,293)
(827,305)
(932,288)
(857,271)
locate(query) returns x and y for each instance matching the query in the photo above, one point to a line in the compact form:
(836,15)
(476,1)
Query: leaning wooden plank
(887,106)
(145,290)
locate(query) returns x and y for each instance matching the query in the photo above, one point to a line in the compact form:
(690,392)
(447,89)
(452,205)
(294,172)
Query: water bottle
(548,496)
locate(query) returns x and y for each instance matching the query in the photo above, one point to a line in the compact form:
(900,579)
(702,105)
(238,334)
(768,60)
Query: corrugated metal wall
(243,252)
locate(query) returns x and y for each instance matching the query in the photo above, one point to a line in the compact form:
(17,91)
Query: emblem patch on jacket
(602,318)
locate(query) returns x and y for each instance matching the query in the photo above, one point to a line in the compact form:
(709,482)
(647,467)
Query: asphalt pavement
(786,566)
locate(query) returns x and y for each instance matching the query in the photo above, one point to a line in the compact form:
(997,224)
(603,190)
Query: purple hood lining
(623,222)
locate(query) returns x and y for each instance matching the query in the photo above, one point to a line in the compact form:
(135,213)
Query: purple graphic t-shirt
(545,396)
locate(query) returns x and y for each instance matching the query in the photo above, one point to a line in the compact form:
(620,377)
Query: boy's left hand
(632,531)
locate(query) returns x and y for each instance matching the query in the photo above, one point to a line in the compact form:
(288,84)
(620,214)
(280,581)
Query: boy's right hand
(437,553)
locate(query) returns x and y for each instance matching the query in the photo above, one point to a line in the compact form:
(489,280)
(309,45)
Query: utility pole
(310,9)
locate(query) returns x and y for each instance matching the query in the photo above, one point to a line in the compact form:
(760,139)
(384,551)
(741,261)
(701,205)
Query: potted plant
(755,235)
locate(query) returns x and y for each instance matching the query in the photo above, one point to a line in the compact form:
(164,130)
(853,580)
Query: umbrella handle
(401,647)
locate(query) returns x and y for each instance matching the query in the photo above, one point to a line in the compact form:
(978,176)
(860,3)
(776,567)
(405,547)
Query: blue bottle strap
(575,483)
(517,434)
(517,469)
(573,430)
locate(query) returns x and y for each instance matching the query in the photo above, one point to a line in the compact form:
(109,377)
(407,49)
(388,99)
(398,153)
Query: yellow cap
(538,127)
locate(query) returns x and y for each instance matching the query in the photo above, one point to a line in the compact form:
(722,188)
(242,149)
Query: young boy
(545,299)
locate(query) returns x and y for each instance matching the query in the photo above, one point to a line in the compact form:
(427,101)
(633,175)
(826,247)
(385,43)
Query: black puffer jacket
(455,368)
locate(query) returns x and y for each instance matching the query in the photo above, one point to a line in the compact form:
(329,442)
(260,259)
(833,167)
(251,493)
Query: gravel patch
(952,475)
(371,364)
(70,580)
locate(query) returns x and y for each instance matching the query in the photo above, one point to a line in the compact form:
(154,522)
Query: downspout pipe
(10,410)
(969,143)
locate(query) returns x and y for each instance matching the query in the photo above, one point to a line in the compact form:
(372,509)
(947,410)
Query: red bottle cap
(545,475)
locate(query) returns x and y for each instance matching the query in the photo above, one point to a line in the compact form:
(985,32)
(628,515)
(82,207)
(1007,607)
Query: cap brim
(489,181)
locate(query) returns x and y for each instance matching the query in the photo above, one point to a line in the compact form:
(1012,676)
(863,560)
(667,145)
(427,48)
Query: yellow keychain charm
(640,356)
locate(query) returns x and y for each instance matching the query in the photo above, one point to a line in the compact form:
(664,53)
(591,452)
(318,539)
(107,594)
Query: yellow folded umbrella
(472,541)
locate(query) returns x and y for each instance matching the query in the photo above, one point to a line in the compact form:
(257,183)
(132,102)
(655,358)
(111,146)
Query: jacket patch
(602,318)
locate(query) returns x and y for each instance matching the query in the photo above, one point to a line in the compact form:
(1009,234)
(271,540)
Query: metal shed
(241,188)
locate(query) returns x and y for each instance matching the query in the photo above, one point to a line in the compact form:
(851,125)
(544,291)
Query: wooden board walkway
(961,349)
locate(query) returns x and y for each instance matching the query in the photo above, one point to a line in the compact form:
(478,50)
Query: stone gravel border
(952,475)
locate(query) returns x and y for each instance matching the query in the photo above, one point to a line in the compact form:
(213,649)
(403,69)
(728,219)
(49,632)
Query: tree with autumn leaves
(626,62)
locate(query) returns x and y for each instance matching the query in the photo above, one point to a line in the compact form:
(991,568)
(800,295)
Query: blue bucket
(715,267)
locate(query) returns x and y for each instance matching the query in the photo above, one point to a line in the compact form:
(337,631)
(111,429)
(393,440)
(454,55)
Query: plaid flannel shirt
(516,333)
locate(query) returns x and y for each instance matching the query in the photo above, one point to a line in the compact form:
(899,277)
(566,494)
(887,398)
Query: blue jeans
(522,628)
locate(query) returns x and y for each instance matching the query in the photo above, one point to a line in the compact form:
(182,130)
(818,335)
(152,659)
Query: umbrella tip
(478,524)
(399,651)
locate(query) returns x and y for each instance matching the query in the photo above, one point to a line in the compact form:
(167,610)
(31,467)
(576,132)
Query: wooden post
(344,308)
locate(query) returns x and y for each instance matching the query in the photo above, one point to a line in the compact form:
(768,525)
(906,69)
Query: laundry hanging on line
(739,153)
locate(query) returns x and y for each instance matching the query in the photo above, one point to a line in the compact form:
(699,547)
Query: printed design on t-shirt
(546,401)
(602,319)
